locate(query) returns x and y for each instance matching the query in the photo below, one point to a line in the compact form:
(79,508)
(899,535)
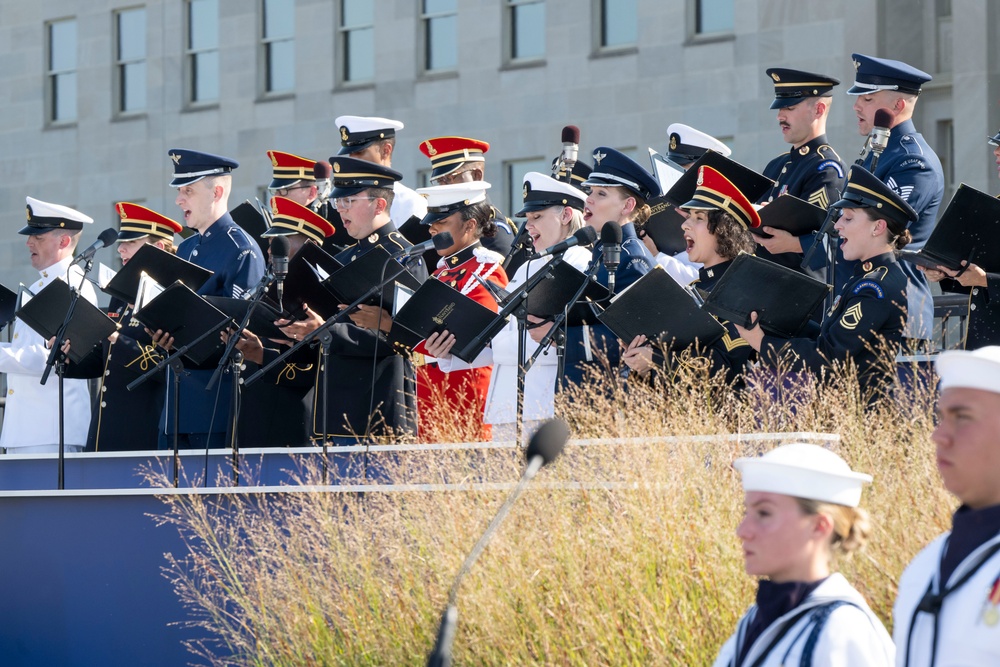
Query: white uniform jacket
(31,417)
(680,268)
(969,623)
(406,203)
(540,381)
(852,636)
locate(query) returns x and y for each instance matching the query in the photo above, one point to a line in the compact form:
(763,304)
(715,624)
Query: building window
(61,87)
(130,60)
(514,171)
(714,16)
(524,30)
(278,46)
(618,24)
(202,52)
(440,35)
(357,41)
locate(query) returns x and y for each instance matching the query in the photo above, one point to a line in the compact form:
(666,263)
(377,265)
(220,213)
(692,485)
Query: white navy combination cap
(970,369)
(443,200)
(688,144)
(803,471)
(359,132)
(541,191)
(44,217)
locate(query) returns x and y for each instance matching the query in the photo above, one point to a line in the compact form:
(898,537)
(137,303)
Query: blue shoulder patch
(831,164)
(869,284)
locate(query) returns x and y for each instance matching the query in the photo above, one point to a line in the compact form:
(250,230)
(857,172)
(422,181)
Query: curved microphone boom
(439,241)
(878,140)
(545,446)
(279,265)
(107,237)
(570,153)
(611,240)
(582,236)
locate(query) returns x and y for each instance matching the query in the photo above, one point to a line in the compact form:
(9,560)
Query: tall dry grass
(621,553)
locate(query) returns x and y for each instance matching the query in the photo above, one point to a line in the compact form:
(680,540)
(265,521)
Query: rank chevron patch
(819,198)
(903,191)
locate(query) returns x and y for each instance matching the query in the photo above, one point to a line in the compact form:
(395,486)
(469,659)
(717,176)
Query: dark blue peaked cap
(865,190)
(613,167)
(874,74)
(191,166)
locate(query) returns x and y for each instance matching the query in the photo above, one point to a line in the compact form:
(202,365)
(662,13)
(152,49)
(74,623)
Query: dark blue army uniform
(123,420)
(872,305)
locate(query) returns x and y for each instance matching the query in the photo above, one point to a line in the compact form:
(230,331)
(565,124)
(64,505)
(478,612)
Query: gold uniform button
(10,392)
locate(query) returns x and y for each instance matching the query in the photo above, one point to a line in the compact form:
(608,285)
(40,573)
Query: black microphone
(279,264)
(107,237)
(545,446)
(570,151)
(611,240)
(437,242)
(879,137)
(582,236)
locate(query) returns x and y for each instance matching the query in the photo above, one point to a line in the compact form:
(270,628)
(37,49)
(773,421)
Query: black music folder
(657,307)
(550,297)
(968,230)
(261,320)
(749,182)
(160,265)
(46,311)
(664,227)
(185,315)
(8,306)
(434,307)
(254,221)
(783,298)
(307,270)
(350,282)
(788,212)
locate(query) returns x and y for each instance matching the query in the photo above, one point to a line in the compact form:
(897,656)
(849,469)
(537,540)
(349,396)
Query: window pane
(205,74)
(279,18)
(132,34)
(62,45)
(280,66)
(439,6)
(442,50)
(528,32)
(64,97)
(515,177)
(203,24)
(621,23)
(359,55)
(715,16)
(133,81)
(357,13)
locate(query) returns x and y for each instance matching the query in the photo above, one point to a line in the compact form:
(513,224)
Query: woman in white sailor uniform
(947,611)
(801,512)
(553,212)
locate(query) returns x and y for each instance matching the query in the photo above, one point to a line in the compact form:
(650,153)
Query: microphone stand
(825,230)
(57,360)
(562,317)
(517,245)
(174,362)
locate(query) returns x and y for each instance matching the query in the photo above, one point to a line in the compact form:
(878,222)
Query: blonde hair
(851,525)
(575,222)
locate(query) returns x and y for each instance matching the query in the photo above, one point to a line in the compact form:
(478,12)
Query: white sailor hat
(541,191)
(443,200)
(688,144)
(970,369)
(359,132)
(44,217)
(803,471)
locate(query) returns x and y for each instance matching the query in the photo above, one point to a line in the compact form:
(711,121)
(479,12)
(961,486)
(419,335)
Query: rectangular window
(61,89)
(440,34)
(618,24)
(525,30)
(278,46)
(514,172)
(356,30)
(714,16)
(130,60)
(202,51)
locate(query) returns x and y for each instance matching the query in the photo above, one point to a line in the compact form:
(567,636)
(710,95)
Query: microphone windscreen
(108,236)
(571,134)
(585,235)
(611,233)
(548,441)
(882,118)
(443,240)
(279,247)
(322,170)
